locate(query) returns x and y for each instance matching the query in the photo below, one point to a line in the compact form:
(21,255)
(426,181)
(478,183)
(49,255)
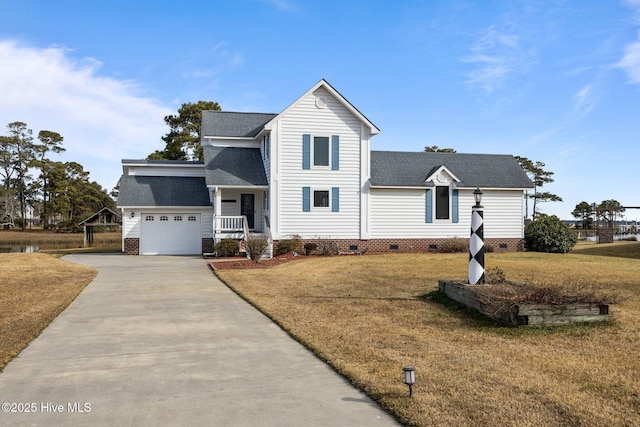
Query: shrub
(288,245)
(494,275)
(327,247)
(226,247)
(456,245)
(549,234)
(309,247)
(256,245)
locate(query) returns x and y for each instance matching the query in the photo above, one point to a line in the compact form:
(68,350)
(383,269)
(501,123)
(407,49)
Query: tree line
(60,193)
(589,213)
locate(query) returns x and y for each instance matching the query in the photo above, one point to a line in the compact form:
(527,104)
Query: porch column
(217,209)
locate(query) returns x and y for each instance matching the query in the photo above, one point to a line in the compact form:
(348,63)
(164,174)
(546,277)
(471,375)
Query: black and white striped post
(476,242)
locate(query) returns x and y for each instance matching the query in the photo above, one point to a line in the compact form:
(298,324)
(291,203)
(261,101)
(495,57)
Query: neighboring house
(309,171)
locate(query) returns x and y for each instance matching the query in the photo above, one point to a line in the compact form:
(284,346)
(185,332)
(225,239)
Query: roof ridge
(241,112)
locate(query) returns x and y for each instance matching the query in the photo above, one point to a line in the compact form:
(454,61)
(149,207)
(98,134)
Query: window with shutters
(321,199)
(321,152)
(444,202)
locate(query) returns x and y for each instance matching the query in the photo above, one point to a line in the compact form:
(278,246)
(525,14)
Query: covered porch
(239,212)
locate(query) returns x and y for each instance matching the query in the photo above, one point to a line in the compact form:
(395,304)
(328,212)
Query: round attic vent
(321,102)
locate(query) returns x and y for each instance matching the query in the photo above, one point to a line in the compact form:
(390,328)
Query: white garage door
(170,234)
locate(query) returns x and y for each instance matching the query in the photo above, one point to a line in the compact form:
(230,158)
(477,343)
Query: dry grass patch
(34,289)
(624,249)
(366,316)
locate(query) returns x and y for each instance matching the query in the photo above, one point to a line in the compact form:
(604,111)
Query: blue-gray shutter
(335,199)
(306,199)
(306,151)
(454,206)
(335,152)
(428,206)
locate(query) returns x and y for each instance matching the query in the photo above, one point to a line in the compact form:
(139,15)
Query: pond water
(29,249)
(616,237)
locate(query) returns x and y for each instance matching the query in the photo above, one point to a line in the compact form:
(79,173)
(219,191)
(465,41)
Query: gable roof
(410,169)
(233,124)
(136,190)
(233,166)
(110,216)
(373,129)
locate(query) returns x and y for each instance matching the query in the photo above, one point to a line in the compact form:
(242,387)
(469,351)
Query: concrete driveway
(156,341)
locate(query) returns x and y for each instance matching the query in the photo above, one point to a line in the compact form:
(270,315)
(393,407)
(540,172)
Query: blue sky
(554,81)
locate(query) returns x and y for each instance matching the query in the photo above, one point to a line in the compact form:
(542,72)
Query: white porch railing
(228,224)
(237,227)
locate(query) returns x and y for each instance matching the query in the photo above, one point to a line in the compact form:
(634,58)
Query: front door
(247,207)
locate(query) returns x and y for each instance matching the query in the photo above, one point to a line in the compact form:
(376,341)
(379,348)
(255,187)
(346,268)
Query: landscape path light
(476,241)
(409,378)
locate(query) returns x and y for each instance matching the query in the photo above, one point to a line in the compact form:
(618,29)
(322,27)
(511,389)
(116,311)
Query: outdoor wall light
(409,378)
(132,214)
(477,195)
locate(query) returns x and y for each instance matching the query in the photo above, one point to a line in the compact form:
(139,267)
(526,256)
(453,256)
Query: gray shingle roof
(233,166)
(410,169)
(162,191)
(232,124)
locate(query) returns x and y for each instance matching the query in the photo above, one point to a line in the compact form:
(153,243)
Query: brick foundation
(420,245)
(131,246)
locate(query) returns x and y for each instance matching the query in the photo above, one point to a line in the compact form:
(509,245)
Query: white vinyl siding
(334,119)
(400,213)
(165,170)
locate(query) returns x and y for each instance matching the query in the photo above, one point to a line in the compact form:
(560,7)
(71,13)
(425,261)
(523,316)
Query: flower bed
(521,305)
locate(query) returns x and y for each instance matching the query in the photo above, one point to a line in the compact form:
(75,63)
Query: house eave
(166,207)
(252,187)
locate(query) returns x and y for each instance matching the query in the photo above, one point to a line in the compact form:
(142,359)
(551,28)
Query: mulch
(242,263)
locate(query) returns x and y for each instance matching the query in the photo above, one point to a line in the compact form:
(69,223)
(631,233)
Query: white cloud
(495,54)
(630,62)
(101,119)
(584,100)
(280,4)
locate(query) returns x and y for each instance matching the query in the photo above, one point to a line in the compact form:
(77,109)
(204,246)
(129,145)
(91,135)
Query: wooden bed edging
(524,314)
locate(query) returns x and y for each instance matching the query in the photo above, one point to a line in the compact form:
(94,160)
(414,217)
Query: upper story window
(321,151)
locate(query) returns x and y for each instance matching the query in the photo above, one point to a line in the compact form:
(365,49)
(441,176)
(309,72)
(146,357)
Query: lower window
(320,199)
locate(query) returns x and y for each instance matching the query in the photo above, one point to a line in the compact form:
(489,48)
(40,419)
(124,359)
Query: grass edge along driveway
(34,289)
(364,315)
